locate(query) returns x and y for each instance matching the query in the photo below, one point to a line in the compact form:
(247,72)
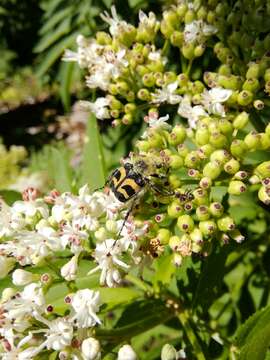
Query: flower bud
(263,170)
(212,170)
(143,145)
(101,234)
(126,353)
(7,294)
(264,194)
(185,223)
(174,209)
(144,94)
(221,156)
(90,349)
(192,159)
(264,141)
(148,80)
(174,181)
(202,213)
(237,236)
(188,51)
(232,166)
(177,259)
(177,135)
(202,136)
(251,85)
(199,50)
(174,242)
(111,226)
(238,148)
(190,16)
(252,140)
(168,352)
(216,209)
(225,126)
(244,98)
(103,38)
(69,270)
(218,140)
(163,236)
(127,119)
(6,265)
(182,79)
(226,223)
(182,150)
(241,120)
(176,161)
(196,236)
(236,187)
(21,277)
(253,71)
(177,38)
(205,183)
(207,227)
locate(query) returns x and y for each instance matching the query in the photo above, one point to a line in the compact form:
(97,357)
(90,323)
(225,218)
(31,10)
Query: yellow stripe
(132,184)
(123,174)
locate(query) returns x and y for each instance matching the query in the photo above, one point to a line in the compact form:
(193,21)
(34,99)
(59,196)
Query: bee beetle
(131,179)
(139,173)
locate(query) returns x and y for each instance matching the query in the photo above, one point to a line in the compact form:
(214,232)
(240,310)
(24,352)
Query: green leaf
(93,165)
(164,269)
(253,337)
(56,18)
(54,35)
(10,196)
(116,296)
(218,192)
(66,77)
(61,170)
(54,54)
(211,277)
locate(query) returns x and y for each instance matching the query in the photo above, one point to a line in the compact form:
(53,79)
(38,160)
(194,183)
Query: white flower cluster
(18,312)
(35,228)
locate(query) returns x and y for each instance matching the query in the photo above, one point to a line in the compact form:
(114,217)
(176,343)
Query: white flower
(98,107)
(196,30)
(149,21)
(107,256)
(192,113)
(21,277)
(167,94)
(69,270)
(29,300)
(212,100)
(115,23)
(126,353)
(31,208)
(6,265)
(5,219)
(85,304)
(59,334)
(91,349)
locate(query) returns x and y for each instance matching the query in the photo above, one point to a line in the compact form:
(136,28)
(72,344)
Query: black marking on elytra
(129,190)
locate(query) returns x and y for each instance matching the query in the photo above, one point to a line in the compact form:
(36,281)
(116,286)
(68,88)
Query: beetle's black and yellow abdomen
(125,183)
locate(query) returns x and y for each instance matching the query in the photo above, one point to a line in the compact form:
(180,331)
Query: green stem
(189,67)
(184,319)
(165,47)
(139,283)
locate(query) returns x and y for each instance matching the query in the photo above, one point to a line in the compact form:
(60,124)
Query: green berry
(174,209)
(244,98)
